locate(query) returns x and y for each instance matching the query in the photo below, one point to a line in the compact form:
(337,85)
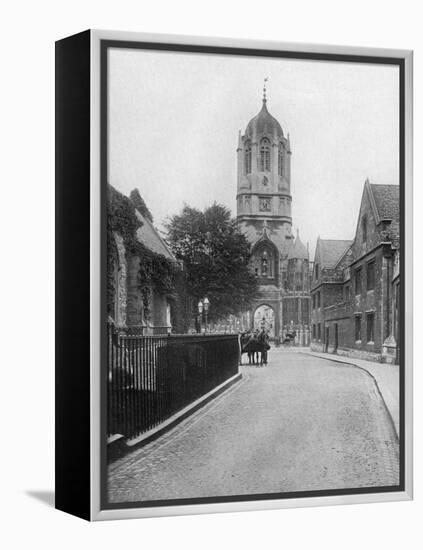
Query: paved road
(301,423)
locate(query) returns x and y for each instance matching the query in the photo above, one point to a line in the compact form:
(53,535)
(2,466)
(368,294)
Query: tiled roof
(331,251)
(387,201)
(149,236)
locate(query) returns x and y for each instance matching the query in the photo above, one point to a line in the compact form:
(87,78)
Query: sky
(174,120)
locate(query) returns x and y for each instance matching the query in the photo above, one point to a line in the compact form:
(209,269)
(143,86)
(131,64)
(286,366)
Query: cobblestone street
(301,423)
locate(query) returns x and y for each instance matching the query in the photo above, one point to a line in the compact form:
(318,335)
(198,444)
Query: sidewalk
(385,375)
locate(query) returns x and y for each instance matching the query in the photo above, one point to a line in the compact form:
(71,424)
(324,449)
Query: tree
(215,255)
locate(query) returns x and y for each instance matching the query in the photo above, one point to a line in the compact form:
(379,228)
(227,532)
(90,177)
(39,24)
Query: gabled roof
(331,251)
(386,198)
(148,235)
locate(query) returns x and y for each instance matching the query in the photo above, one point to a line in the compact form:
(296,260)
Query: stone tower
(264,178)
(280,262)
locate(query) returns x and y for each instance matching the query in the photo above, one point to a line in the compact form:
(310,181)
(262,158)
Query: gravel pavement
(302,423)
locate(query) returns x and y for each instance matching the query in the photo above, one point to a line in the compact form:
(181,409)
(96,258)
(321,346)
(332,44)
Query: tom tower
(280,261)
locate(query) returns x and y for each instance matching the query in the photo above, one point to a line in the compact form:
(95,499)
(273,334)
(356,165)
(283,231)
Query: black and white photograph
(252,276)
(212,301)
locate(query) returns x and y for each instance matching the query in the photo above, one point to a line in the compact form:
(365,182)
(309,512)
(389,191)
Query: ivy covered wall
(144,273)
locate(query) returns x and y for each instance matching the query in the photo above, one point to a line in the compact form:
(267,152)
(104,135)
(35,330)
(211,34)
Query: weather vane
(264,88)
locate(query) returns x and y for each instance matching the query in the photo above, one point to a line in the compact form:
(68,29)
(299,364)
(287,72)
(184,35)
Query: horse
(289,339)
(253,345)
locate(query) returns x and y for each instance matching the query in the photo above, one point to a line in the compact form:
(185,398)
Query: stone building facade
(355,285)
(279,260)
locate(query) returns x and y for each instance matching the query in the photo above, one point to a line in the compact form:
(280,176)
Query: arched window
(247,158)
(280,160)
(264,264)
(265,155)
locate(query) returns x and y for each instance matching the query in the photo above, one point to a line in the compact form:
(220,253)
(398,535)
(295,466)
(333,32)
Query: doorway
(326,339)
(264,317)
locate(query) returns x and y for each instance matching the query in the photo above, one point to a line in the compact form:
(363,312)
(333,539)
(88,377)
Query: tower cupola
(264,124)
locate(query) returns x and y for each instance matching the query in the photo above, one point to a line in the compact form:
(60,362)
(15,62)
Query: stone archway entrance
(264,317)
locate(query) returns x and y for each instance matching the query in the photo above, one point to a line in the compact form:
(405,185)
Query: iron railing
(152,377)
(142,330)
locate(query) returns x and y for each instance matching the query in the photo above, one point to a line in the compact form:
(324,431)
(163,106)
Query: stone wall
(129,307)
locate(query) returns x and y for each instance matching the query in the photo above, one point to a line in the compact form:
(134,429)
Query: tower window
(299,281)
(247,157)
(265,155)
(280,160)
(264,265)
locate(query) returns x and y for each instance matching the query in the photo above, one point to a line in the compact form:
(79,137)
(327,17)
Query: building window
(371,275)
(247,158)
(319,331)
(280,160)
(358,281)
(318,299)
(265,155)
(370,323)
(314,332)
(358,328)
(316,271)
(364,229)
(347,293)
(314,301)
(299,283)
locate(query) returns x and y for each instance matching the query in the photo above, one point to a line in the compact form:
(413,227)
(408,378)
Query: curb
(351,364)
(119,446)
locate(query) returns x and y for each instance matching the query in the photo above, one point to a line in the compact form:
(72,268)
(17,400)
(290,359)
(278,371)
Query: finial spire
(264,89)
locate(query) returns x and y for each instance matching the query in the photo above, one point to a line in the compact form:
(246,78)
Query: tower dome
(264,123)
